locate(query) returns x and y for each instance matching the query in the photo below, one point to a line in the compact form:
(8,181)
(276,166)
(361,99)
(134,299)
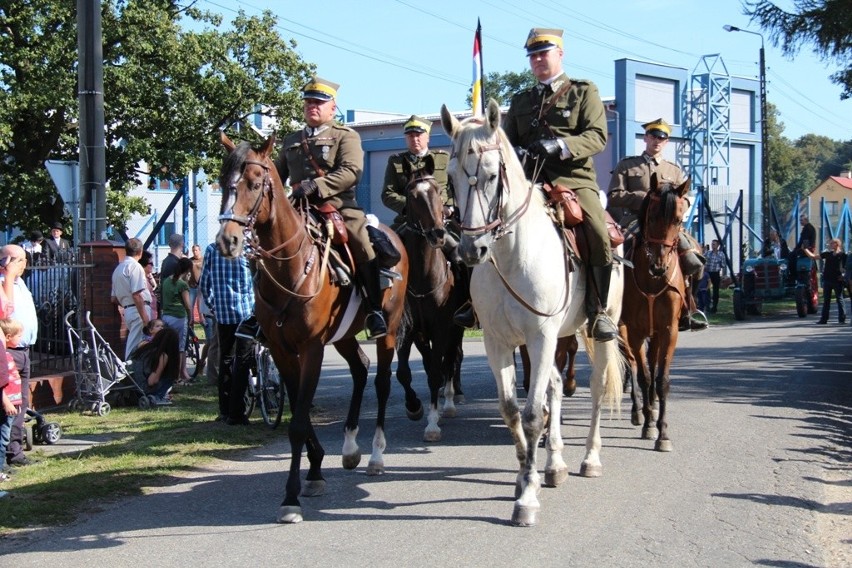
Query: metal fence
(56,290)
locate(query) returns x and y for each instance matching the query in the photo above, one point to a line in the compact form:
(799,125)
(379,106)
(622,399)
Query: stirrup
(689,322)
(375,325)
(601,327)
(465,316)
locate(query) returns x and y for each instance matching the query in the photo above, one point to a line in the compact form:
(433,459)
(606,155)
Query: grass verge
(139,449)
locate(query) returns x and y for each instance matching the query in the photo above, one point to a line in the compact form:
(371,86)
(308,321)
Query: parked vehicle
(766,280)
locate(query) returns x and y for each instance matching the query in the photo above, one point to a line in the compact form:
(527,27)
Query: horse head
(661,217)
(424,210)
(246,181)
(482,166)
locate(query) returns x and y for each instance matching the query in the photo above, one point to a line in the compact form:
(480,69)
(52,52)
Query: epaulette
(440,152)
(336,125)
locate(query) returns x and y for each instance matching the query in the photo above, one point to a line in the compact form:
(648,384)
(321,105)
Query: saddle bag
(616,236)
(328,212)
(565,204)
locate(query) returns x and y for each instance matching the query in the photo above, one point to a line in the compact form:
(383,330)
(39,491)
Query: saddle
(567,214)
(325,216)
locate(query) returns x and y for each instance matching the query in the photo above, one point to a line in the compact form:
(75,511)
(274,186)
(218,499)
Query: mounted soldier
(324,162)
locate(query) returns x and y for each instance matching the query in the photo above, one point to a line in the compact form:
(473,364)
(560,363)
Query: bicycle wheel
(251,394)
(270,388)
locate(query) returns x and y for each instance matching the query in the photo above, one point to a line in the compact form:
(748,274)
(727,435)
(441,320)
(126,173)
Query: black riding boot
(368,274)
(600,327)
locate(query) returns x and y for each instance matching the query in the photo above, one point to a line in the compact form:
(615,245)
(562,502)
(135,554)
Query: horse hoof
(634,419)
(290,514)
(556,477)
(663,446)
(459,399)
(313,488)
(375,468)
(569,388)
(415,415)
(525,516)
(432,436)
(351,461)
(591,470)
(449,412)
(649,434)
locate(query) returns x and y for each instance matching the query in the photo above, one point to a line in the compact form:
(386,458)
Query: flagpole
(481,67)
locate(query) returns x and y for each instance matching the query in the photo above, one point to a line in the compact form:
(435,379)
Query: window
(166,231)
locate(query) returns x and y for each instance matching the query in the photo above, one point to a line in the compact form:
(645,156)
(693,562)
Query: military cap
(320,89)
(659,128)
(57,225)
(542,39)
(417,124)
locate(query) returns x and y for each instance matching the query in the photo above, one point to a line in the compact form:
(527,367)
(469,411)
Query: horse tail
(608,360)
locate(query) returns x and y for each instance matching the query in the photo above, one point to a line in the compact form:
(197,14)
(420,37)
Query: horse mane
(668,205)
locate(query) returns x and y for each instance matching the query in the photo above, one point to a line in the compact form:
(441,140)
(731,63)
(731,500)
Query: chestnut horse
(433,298)
(301,308)
(654,295)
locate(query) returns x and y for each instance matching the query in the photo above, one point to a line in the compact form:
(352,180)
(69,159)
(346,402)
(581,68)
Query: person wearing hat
(56,249)
(33,247)
(557,126)
(631,181)
(400,168)
(324,162)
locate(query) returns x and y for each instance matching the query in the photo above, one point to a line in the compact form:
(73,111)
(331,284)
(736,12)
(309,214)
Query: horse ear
(684,188)
(448,121)
(493,114)
(268,146)
(226,142)
(654,183)
(429,164)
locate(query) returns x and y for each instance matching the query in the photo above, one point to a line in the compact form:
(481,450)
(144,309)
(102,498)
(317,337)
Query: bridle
(248,221)
(497,226)
(416,225)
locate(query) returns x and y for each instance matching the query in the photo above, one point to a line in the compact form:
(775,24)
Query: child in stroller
(155,366)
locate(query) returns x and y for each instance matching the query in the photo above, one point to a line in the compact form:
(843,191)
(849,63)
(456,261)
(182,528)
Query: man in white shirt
(130,292)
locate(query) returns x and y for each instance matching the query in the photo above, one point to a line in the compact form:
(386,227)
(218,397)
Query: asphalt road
(759,475)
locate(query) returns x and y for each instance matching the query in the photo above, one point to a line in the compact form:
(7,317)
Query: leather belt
(147,303)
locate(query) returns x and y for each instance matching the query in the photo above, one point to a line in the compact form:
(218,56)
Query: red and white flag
(477,103)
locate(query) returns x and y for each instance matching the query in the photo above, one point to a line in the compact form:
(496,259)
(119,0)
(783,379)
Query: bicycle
(265,389)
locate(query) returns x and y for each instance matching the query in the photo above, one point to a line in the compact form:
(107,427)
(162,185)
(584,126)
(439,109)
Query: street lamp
(764,134)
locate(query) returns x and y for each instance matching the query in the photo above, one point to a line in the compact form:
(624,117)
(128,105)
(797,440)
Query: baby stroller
(42,432)
(98,370)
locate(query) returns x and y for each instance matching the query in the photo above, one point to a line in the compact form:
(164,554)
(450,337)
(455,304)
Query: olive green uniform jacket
(578,118)
(631,180)
(336,149)
(393,189)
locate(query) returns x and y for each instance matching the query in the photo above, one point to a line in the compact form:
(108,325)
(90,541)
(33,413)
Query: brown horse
(433,297)
(301,308)
(654,295)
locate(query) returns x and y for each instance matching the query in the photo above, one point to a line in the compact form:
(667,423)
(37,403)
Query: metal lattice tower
(708,118)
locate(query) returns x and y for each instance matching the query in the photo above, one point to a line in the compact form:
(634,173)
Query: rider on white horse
(561,124)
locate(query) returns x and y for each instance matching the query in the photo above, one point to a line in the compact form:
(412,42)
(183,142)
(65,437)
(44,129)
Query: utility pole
(90,95)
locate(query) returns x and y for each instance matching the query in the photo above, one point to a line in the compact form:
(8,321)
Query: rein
(498,226)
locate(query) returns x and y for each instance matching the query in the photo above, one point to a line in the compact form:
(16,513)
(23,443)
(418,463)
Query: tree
(502,86)
(173,77)
(827,24)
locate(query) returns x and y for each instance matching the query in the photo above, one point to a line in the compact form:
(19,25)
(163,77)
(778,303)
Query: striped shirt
(226,284)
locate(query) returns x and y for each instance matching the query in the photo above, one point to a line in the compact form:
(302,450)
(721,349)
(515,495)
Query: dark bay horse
(301,308)
(433,298)
(654,295)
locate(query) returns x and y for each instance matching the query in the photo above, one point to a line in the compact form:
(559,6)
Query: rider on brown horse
(631,181)
(324,162)
(398,174)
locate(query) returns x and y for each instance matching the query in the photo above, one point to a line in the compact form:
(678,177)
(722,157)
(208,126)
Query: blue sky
(411,57)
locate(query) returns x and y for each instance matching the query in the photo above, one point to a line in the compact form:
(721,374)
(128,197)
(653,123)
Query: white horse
(524,293)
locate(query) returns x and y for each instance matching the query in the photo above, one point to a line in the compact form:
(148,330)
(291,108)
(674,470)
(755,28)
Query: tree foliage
(502,86)
(173,77)
(826,24)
